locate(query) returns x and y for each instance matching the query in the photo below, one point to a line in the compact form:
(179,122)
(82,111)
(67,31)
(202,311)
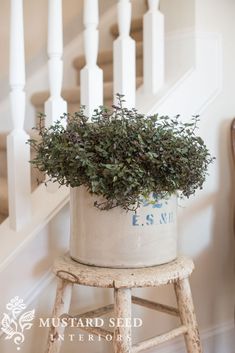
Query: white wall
(206,223)
(206,231)
(180,15)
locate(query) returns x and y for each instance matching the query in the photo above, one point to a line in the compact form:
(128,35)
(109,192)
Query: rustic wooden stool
(176,272)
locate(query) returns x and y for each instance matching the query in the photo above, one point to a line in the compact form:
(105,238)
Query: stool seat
(75,272)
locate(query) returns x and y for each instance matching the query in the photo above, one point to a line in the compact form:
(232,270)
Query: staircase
(105,62)
(27,254)
(71,95)
(210,90)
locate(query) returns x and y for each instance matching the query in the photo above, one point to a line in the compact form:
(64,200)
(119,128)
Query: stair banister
(55,106)
(91,76)
(124,62)
(154,48)
(18,152)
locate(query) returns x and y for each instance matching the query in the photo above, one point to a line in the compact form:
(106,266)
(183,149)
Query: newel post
(154,48)
(18,152)
(91,76)
(124,56)
(55,106)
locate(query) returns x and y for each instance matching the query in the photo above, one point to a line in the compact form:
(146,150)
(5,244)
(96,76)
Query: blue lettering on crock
(153,219)
(149,219)
(166,218)
(157,205)
(163,218)
(135,220)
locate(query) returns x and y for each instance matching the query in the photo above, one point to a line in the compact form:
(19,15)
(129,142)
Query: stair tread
(72,95)
(105,57)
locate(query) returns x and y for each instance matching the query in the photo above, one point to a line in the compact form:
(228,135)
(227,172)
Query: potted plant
(125,171)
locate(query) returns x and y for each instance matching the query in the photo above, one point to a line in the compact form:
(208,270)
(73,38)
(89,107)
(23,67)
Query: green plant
(123,155)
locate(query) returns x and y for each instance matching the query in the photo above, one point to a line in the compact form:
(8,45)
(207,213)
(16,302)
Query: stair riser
(3,200)
(4,209)
(3,138)
(108,70)
(3,163)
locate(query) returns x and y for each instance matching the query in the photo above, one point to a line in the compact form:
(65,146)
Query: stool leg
(187,315)
(122,309)
(61,306)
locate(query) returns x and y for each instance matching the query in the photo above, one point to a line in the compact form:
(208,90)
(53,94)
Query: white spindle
(55,105)
(124,56)
(91,76)
(18,153)
(154,49)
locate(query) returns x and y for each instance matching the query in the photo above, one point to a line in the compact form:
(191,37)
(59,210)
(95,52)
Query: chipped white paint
(93,276)
(155,341)
(122,309)
(62,304)
(155,306)
(187,315)
(177,272)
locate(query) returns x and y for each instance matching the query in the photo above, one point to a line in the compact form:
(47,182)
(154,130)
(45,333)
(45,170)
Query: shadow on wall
(206,235)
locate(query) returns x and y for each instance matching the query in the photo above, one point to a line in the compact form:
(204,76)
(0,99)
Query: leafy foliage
(123,155)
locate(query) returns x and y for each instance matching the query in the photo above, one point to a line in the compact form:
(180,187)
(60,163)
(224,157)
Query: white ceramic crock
(121,239)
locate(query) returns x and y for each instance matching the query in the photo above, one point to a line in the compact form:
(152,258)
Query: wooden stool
(176,272)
